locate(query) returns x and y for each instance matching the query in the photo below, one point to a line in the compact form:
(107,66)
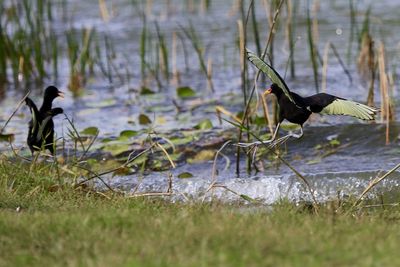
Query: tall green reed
(191,34)
(81,56)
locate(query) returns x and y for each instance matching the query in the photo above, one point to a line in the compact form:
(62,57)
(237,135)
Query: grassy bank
(59,226)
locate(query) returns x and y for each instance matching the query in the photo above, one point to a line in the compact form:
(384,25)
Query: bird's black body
(300,111)
(295,113)
(41,126)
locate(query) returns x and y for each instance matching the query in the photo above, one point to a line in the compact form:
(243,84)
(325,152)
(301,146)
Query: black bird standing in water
(297,109)
(41,126)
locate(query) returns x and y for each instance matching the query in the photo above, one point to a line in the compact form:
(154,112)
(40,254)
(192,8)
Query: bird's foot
(279,141)
(253,144)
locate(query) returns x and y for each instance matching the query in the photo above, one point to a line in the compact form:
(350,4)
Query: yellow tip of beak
(267,92)
(61,94)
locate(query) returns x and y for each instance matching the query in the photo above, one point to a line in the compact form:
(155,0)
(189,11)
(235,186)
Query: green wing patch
(34,122)
(350,108)
(270,72)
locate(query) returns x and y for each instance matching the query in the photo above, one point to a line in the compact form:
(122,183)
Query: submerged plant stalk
(385,99)
(313,53)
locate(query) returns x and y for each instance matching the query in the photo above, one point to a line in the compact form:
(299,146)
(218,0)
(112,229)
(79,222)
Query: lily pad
(204,125)
(90,131)
(102,104)
(318,147)
(182,140)
(144,119)
(160,120)
(123,171)
(314,161)
(290,126)
(6,137)
(259,121)
(128,134)
(102,165)
(146,91)
(91,161)
(185,92)
(185,175)
(87,111)
(116,149)
(203,155)
(160,108)
(334,142)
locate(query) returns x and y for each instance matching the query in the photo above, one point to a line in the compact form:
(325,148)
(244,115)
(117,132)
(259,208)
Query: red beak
(268,91)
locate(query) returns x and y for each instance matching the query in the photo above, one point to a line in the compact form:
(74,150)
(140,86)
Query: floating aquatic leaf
(265,136)
(181,140)
(318,147)
(185,175)
(116,149)
(334,142)
(203,155)
(161,120)
(204,125)
(144,119)
(106,140)
(146,91)
(140,160)
(290,126)
(175,156)
(114,144)
(123,171)
(6,137)
(128,134)
(240,114)
(88,111)
(118,141)
(102,104)
(314,161)
(160,108)
(102,165)
(91,161)
(158,165)
(259,121)
(90,131)
(185,92)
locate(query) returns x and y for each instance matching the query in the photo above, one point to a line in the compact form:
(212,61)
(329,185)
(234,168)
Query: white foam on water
(265,189)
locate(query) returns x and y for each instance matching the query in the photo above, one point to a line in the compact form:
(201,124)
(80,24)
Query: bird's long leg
(261,142)
(286,137)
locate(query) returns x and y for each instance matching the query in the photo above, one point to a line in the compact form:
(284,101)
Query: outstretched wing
(350,108)
(34,112)
(54,112)
(270,72)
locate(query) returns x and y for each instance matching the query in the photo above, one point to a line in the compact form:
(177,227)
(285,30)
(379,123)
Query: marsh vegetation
(158,93)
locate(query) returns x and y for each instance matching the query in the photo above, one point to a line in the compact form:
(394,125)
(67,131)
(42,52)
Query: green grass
(60,226)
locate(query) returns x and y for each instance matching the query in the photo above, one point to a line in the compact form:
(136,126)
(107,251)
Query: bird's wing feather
(54,112)
(50,114)
(347,107)
(34,112)
(42,126)
(270,72)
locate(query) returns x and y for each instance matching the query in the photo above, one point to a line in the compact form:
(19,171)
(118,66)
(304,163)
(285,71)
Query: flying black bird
(41,126)
(297,109)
